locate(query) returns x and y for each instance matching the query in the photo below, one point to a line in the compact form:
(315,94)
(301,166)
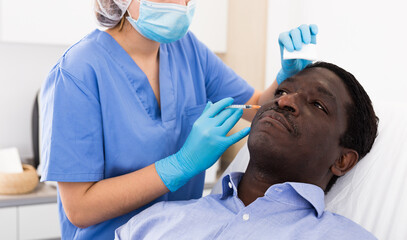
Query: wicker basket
(19,183)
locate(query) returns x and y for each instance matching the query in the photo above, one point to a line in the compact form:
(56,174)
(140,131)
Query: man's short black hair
(362,121)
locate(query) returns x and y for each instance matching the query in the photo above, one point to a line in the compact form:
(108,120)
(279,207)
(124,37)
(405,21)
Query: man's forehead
(323,80)
(320,80)
(314,73)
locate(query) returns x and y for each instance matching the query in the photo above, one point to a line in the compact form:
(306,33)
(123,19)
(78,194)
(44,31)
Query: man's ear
(346,162)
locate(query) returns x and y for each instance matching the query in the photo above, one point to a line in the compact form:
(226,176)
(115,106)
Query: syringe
(245,106)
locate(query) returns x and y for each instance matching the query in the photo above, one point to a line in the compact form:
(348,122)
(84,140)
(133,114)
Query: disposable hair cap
(110,11)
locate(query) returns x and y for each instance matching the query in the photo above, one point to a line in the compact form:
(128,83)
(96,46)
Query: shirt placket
(245,216)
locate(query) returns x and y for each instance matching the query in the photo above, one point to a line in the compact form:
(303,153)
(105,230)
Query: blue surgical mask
(163,22)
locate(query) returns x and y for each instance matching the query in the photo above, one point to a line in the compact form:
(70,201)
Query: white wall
(366,37)
(23,68)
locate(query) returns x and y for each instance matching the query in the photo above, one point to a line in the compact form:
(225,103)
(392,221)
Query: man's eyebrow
(326,93)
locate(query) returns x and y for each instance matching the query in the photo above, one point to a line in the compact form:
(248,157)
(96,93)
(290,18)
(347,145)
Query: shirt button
(246,217)
(230,184)
(278,189)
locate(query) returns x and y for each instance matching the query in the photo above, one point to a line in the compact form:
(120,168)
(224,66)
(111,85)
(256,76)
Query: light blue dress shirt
(101,119)
(287,211)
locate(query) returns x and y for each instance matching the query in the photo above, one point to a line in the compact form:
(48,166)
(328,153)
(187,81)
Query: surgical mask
(163,22)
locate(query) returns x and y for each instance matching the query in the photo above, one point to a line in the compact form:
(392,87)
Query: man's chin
(262,141)
(271,143)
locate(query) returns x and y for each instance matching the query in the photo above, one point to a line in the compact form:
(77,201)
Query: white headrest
(373,193)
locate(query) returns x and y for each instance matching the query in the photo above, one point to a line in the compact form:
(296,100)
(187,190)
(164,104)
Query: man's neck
(256,181)
(254,184)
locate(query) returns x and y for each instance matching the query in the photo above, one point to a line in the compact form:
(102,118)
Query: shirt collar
(312,194)
(230,183)
(302,194)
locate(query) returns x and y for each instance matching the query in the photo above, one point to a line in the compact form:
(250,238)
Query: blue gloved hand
(204,145)
(293,40)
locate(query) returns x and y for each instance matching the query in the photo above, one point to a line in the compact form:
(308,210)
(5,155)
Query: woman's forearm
(89,203)
(268,94)
(259,98)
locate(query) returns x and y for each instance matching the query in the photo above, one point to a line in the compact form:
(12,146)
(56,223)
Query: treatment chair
(373,194)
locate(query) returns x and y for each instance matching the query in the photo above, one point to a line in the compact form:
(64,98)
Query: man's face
(296,135)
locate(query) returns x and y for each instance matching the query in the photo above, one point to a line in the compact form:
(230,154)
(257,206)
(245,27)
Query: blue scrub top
(100,117)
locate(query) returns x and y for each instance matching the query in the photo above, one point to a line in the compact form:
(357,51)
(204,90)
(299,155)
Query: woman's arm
(89,203)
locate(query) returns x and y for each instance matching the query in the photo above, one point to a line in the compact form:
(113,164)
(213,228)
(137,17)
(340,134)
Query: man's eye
(280,92)
(318,105)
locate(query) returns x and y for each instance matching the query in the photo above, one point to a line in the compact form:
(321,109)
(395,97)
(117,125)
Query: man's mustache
(286,115)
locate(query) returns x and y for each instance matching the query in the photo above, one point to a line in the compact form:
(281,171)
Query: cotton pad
(10,161)
(308,52)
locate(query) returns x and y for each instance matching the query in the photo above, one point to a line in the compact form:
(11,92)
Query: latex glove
(293,41)
(204,145)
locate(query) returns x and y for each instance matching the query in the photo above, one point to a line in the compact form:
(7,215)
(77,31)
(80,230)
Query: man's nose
(288,102)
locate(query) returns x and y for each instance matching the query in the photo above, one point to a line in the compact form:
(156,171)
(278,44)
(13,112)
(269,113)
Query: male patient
(317,127)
